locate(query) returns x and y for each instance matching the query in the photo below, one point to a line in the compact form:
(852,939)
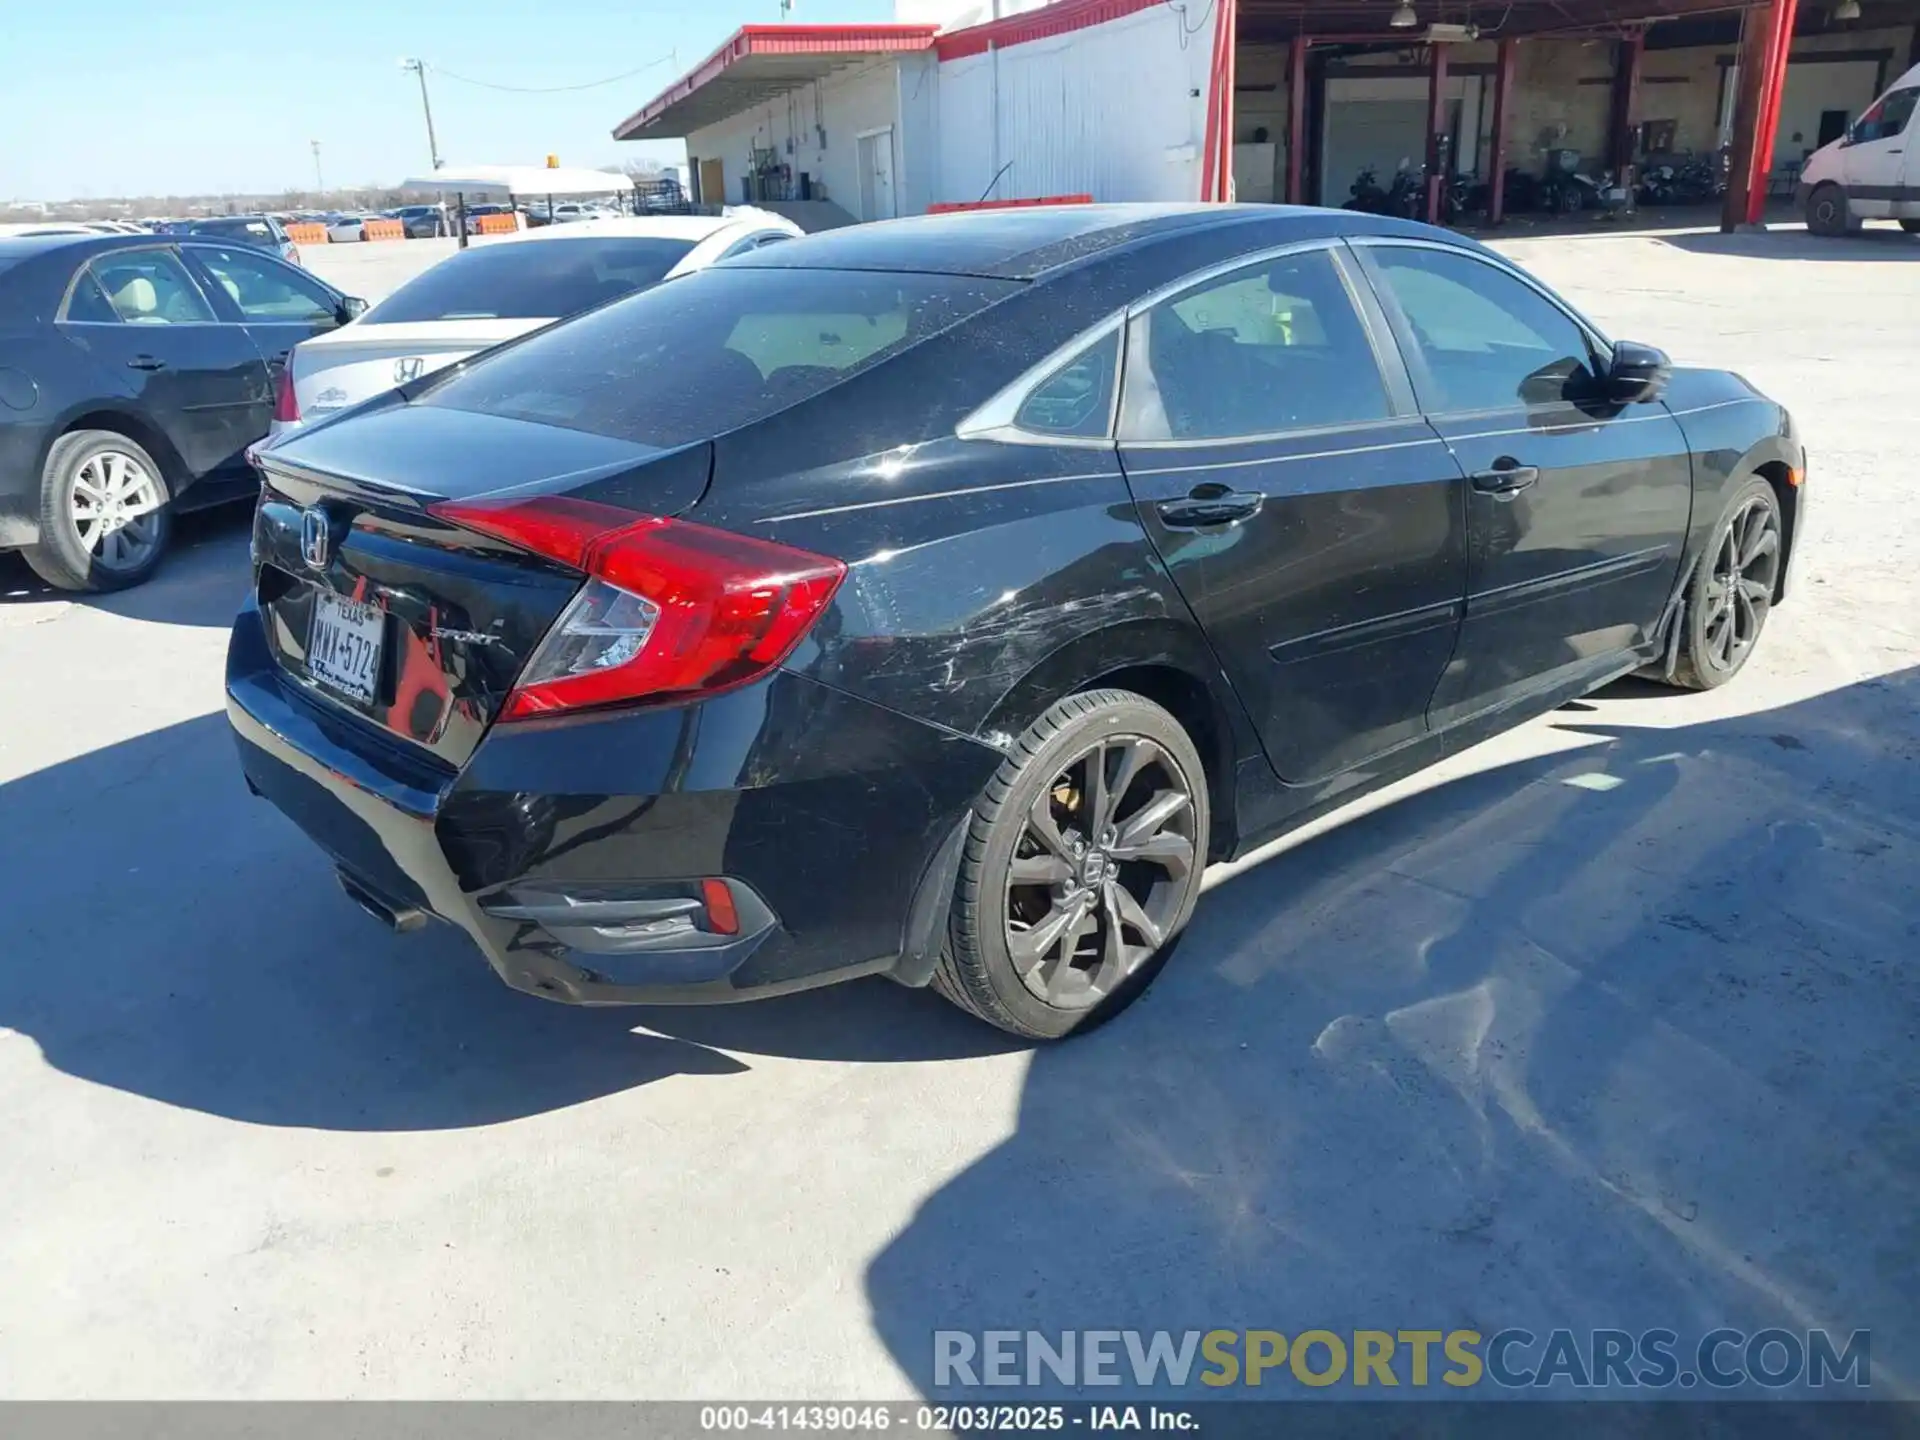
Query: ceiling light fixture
(1847,10)
(1405,19)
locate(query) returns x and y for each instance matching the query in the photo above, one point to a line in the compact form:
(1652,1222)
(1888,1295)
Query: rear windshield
(712,351)
(258,229)
(540,279)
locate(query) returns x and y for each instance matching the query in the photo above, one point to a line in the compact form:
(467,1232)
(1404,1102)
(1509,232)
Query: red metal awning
(760,63)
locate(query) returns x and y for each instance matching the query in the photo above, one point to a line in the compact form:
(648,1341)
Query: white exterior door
(876,175)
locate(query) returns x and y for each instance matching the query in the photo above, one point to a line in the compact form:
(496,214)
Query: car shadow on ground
(202,582)
(1875,243)
(1623,1036)
(169,935)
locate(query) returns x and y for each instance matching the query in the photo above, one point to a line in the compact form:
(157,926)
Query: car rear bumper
(20,447)
(822,814)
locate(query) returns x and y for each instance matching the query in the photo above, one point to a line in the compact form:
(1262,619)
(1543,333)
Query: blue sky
(126,97)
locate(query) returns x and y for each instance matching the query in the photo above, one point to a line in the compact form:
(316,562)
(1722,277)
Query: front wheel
(1732,590)
(1827,211)
(104,521)
(1081,868)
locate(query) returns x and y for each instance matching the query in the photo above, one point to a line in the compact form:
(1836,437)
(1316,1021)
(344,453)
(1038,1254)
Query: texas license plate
(343,647)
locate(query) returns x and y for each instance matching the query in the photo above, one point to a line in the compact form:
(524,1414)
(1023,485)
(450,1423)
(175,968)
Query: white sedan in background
(343,229)
(501,289)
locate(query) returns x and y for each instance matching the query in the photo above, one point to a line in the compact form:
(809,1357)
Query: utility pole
(419,67)
(319,181)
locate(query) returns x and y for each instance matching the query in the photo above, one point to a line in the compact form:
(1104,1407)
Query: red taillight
(286,406)
(671,608)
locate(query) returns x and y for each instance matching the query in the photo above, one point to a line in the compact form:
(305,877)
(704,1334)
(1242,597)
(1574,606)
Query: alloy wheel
(1100,872)
(1740,586)
(115,508)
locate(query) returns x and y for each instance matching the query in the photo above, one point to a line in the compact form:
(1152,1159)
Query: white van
(1873,171)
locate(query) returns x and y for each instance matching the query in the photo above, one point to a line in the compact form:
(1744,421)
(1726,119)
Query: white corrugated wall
(1108,111)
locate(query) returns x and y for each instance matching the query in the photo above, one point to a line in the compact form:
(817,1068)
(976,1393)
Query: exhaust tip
(401,919)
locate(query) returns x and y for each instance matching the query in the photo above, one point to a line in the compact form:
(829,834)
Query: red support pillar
(1766,40)
(1297,120)
(1783,14)
(1436,123)
(1497,160)
(1216,165)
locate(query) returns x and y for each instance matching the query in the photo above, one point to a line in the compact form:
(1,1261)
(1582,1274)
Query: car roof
(1025,242)
(691,228)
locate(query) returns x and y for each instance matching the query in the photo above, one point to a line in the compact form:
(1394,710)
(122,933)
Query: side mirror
(1639,372)
(351,308)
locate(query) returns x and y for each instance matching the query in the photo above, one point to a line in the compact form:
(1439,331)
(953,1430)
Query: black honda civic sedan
(937,598)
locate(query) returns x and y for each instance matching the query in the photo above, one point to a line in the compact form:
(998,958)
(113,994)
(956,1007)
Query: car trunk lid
(375,606)
(357,362)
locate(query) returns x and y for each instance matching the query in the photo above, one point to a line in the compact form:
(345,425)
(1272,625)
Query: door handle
(1210,505)
(1507,477)
(146,362)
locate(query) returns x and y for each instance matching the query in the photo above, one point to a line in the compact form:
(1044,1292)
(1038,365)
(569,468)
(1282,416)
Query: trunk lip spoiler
(272,462)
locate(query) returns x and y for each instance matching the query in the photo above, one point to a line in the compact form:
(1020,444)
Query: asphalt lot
(1611,1022)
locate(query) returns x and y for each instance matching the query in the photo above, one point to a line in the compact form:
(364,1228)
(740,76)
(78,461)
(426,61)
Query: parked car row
(165,358)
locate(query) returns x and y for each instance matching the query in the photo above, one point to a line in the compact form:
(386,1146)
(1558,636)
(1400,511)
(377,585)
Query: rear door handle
(1507,477)
(146,362)
(1210,505)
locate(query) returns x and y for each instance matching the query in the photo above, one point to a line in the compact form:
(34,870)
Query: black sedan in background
(263,232)
(936,598)
(134,373)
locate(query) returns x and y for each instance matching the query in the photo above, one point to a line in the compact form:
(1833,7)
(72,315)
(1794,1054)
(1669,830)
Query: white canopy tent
(507,181)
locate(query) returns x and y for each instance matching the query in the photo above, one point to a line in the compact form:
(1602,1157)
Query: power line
(556,89)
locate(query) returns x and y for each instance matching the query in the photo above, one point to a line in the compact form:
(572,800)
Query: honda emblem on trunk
(408,369)
(314,537)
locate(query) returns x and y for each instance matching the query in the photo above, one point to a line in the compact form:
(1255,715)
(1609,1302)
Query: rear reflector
(670,609)
(722,918)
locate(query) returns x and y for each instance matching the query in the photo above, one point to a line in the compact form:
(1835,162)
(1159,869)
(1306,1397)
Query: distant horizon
(73,202)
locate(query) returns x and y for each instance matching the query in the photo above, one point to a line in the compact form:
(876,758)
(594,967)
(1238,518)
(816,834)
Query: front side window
(150,287)
(1888,117)
(1275,347)
(1486,340)
(265,290)
(710,351)
(540,279)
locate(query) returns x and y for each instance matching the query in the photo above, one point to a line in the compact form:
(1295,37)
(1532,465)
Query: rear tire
(1827,212)
(1732,590)
(1082,865)
(105,516)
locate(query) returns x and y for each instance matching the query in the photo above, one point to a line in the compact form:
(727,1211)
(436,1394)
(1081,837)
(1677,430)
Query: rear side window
(88,302)
(150,287)
(1278,346)
(713,351)
(540,279)
(1077,399)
